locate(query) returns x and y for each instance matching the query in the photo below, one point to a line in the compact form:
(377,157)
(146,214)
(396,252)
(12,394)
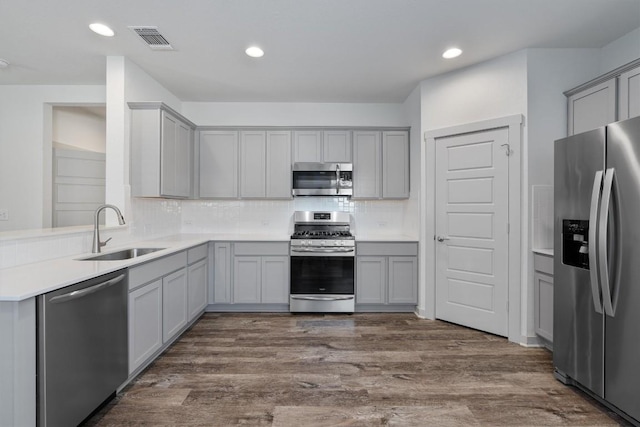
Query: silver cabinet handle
(321,298)
(603,257)
(84,292)
(593,228)
(441,238)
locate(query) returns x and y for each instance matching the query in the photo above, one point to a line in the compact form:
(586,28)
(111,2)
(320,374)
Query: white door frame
(427,303)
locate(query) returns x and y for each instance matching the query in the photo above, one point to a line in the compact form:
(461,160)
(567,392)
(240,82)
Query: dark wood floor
(347,370)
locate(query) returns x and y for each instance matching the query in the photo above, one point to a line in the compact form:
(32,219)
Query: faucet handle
(105,242)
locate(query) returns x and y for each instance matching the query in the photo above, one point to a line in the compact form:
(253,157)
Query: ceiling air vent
(152,38)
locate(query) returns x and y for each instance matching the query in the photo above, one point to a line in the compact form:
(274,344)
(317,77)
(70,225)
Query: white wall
(293,114)
(493,89)
(76,127)
(127,82)
(25,147)
(620,52)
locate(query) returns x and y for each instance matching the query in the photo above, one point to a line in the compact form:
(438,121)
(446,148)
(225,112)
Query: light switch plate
(4,214)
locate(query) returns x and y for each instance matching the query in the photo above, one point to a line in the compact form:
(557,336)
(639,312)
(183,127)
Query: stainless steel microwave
(322,179)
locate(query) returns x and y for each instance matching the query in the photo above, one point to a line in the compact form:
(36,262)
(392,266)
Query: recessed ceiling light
(451,53)
(254,52)
(101,29)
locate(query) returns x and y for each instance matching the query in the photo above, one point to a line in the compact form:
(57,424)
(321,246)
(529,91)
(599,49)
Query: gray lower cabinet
(543,301)
(251,276)
(165,295)
(380,164)
(197,288)
(145,323)
(386,276)
(174,303)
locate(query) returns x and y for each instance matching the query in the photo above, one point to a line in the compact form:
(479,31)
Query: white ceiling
(316,50)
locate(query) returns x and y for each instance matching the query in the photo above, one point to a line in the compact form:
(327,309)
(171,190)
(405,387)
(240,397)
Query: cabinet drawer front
(145,273)
(390,249)
(543,263)
(261,248)
(197,253)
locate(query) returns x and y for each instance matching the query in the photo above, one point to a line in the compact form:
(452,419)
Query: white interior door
(472,230)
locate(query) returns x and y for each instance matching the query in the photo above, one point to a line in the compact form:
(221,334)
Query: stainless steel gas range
(322,263)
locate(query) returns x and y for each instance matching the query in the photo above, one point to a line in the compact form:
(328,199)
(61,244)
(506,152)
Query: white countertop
(384,238)
(25,281)
(543,251)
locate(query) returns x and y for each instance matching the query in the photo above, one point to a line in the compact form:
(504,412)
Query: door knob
(441,238)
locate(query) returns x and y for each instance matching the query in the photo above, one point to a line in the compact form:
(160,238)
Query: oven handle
(321,298)
(337,179)
(336,250)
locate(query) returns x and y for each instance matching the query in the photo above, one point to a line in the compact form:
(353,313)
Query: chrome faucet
(97,244)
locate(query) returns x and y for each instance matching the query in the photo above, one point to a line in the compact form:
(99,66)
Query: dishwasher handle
(86,291)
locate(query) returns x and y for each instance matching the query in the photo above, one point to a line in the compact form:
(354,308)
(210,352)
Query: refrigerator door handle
(603,258)
(593,228)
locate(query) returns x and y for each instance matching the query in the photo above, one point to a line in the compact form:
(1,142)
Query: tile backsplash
(149,218)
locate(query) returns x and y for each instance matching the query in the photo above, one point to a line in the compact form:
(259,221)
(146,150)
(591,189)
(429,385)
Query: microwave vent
(152,37)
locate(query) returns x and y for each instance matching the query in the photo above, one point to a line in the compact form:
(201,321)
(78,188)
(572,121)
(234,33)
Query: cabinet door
(219,164)
(629,102)
(222,273)
(275,279)
(174,303)
(395,165)
(145,323)
(336,146)
(592,108)
(252,164)
(197,288)
(403,280)
(543,288)
(247,276)
(184,153)
(169,149)
(367,166)
(307,146)
(371,280)
(279,165)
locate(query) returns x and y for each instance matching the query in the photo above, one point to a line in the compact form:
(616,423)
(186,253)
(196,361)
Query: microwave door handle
(593,241)
(337,179)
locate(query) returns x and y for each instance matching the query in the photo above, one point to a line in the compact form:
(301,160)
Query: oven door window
(314,180)
(322,275)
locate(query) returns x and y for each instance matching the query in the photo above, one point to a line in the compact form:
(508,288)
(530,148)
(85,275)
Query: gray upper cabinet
(265,164)
(253,154)
(161,152)
(336,146)
(278,167)
(395,165)
(629,94)
(367,165)
(328,146)
(592,107)
(307,146)
(218,173)
(381,164)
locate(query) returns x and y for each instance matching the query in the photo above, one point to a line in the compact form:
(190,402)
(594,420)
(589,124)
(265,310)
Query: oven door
(318,275)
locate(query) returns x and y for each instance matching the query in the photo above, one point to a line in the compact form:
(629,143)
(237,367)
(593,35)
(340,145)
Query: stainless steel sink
(123,254)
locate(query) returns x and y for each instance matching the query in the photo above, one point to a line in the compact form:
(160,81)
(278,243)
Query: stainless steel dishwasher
(82,348)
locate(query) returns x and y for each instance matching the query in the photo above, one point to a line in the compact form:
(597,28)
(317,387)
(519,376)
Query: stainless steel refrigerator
(596,333)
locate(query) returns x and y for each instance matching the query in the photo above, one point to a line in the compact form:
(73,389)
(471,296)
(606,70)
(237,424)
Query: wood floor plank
(371,369)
